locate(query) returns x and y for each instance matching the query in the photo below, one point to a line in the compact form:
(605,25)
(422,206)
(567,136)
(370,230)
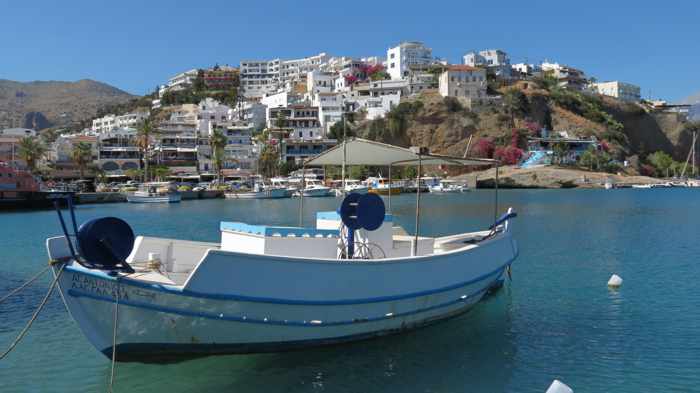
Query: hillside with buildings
(268,115)
(44,104)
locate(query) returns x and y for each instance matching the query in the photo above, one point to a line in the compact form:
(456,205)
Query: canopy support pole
(415,240)
(345,156)
(301,195)
(495,204)
(389,188)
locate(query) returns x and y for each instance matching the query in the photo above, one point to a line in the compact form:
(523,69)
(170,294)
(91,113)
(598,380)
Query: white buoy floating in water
(559,387)
(615,281)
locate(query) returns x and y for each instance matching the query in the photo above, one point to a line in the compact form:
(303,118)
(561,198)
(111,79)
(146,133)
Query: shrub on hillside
(509,155)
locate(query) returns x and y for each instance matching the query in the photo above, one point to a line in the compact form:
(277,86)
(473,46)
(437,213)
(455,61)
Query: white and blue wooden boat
(268,288)
(159,192)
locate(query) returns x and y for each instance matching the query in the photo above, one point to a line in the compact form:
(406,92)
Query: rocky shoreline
(550,177)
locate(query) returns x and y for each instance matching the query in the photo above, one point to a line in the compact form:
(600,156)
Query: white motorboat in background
(448,186)
(314,189)
(260,191)
(155,192)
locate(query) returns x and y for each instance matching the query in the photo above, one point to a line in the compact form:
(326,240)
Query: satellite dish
(105,243)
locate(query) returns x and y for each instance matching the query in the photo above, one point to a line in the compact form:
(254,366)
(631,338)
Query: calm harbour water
(556,319)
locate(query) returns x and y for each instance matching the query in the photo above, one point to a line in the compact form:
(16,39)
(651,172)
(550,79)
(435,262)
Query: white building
(525,70)
(406,56)
(210,115)
(295,70)
(259,77)
(17,132)
(463,81)
(568,77)
(320,82)
(250,112)
(131,120)
(377,107)
(104,124)
(496,60)
(330,109)
(620,90)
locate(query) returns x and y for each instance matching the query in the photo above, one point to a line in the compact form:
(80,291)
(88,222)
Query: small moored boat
(155,192)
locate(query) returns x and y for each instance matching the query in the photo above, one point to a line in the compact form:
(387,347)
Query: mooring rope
(36,314)
(114,337)
(21,287)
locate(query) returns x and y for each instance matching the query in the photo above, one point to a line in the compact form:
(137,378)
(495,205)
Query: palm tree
(31,150)
(143,142)
(217,142)
(82,156)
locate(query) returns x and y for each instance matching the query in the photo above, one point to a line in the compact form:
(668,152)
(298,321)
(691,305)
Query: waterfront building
(495,61)
(117,151)
(567,77)
(406,56)
(105,123)
(330,109)
(9,145)
(620,90)
(463,81)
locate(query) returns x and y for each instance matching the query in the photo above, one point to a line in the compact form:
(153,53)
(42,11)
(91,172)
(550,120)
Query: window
(392,55)
(391,65)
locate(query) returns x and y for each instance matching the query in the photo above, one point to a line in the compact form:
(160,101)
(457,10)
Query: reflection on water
(556,319)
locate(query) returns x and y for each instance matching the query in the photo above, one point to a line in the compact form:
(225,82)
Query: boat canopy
(365,152)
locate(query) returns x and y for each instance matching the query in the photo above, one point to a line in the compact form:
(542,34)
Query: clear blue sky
(135,45)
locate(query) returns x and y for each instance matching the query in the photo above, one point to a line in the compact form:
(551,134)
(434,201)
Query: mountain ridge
(45,104)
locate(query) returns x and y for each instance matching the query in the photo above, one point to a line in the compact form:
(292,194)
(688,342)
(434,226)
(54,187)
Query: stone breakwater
(550,178)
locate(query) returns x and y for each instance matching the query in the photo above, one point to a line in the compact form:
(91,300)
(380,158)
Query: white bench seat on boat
(274,240)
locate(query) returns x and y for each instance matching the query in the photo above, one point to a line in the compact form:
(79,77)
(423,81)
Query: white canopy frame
(358,151)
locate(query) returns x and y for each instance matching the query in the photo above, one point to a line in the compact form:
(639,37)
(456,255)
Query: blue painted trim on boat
(334,216)
(269,321)
(255,299)
(264,230)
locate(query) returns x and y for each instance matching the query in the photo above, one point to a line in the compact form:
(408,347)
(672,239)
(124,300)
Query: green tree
(217,142)
(268,163)
(662,162)
(31,150)
(515,103)
(81,154)
(161,172)
(336,130)
(134,174)
(560,149)
(144,139)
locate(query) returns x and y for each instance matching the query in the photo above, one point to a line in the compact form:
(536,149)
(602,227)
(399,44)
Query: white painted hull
(169,198)
(317,192)
(275,193)
(226,308)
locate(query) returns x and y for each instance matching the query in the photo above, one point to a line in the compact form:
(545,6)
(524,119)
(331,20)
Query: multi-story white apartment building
(104,124)
(259,77)
(463,81)
(406,56)
(320,82)
(251,112)
(117,151)
(330,108)
(210,115)
(620,90)
(495,60)
(295,70)
(110,122)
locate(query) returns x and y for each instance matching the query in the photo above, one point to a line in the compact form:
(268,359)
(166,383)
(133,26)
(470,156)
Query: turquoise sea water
(556,319)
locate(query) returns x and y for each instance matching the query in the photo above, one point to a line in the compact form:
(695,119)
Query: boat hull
(317,192)
(385,191)
(159,321)
(169,198)
(275,193)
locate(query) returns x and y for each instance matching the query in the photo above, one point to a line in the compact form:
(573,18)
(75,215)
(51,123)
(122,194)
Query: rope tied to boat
(36,312)
(114,335)
(26,283)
